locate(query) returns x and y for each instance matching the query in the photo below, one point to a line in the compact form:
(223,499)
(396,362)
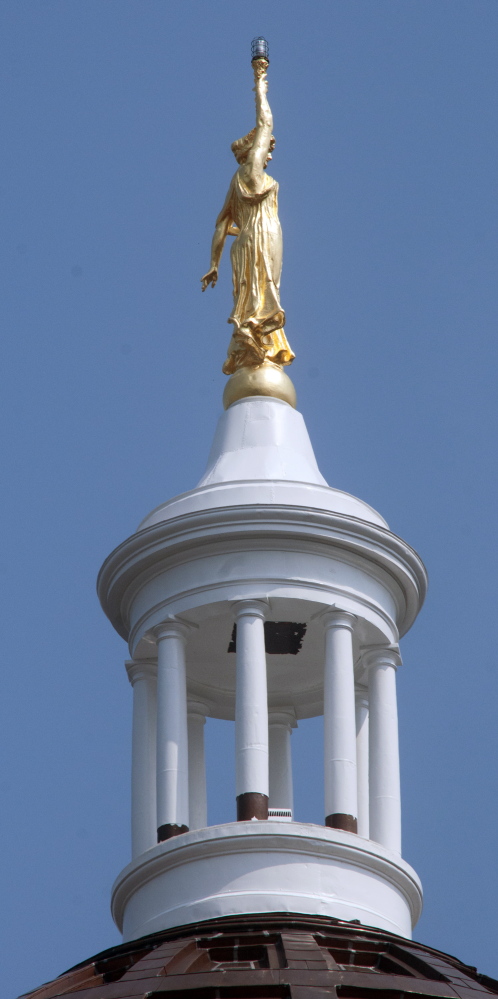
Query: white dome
(262,453)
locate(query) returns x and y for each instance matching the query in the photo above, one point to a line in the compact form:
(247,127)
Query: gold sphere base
(265,379)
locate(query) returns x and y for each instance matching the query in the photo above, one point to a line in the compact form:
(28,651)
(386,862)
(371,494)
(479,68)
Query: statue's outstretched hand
(210,278)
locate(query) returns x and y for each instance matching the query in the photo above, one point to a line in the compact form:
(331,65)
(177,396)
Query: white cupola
(264,596)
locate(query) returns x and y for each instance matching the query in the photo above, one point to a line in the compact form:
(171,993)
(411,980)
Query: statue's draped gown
(256,257)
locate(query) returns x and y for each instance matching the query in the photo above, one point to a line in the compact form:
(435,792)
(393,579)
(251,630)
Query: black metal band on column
(169,830)
(252,805)
(339,820)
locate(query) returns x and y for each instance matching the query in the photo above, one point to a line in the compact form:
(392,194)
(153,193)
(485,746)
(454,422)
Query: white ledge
(260,867)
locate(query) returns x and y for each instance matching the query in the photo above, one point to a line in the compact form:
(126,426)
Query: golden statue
(250,213)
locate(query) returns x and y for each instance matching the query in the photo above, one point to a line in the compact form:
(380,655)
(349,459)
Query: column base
(168,830)
(252,805)
(339,820)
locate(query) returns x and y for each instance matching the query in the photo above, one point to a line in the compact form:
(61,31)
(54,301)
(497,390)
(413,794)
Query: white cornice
(199,534)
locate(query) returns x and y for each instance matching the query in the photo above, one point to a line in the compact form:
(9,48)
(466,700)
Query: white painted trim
(266,867)
(193,534)
(245,490)
(255,589)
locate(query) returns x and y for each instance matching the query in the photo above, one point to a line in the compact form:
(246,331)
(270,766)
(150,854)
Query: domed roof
(272,956)
(262,453)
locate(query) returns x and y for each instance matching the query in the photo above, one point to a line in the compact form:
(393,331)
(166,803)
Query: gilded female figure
(250,213)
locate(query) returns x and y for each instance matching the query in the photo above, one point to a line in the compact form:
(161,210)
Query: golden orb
(265,379)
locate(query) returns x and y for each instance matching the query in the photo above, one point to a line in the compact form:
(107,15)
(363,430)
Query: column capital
(172,628)
(361,694)
(141,669)
(387,655)
(282,716)
(196,707)
(334,617)
(251,608)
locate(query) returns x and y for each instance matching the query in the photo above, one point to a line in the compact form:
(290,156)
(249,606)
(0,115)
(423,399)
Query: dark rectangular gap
(356,992)
(228,992)
(282,638)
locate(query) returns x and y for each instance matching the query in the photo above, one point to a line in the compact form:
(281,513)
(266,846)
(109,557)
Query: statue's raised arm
(259,154)
(250,213)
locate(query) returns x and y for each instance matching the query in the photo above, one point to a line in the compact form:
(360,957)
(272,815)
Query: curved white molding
(262,867)
(141,669)
(239,590)
(244,492)
(262,527)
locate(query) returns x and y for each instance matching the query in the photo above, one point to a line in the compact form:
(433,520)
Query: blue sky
(117,119)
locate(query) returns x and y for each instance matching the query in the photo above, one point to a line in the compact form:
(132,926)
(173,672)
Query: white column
(172,739)
(385,800)
(362,760)
(280,725)
(197,800)
(143,678)
(341,796)
(251,712)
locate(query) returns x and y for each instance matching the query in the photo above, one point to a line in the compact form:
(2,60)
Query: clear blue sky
(116,119)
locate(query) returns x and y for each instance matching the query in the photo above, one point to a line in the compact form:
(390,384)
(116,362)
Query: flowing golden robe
(256,256)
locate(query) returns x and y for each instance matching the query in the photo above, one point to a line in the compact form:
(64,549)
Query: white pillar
(251,712)
(143,678)
(172,740)
(197,800)
(280,725)
(362,760)
(341,796)
(385,799)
